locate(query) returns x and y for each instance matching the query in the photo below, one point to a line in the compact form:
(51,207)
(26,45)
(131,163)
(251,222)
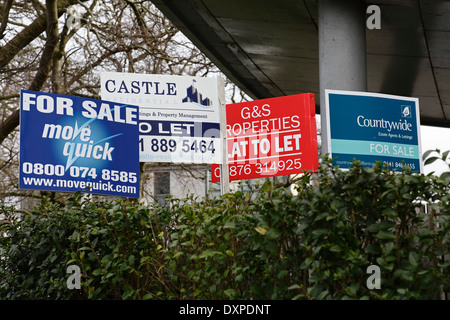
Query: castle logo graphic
(192,95)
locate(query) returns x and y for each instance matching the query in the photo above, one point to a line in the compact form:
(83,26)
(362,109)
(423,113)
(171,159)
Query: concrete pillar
(342,51)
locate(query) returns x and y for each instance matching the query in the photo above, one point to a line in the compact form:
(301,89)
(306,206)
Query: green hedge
(267,243)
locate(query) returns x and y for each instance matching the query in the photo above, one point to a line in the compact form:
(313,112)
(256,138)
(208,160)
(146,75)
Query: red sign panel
(270,137)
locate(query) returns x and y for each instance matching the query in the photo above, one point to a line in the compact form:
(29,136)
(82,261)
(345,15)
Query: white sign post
(225,178)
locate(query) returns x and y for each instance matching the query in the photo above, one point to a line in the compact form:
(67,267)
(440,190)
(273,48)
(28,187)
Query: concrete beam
(342,51)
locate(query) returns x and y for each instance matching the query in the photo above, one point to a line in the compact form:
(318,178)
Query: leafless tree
(60,46)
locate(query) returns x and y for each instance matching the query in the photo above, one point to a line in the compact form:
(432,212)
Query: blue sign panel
(70,143)
(373,127)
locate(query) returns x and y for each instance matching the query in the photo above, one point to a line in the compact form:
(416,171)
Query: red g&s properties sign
(270,137)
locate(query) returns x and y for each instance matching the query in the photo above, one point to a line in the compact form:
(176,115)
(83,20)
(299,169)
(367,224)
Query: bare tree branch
(49,48)
(44,66)
(5,16)
(27,35)
(114,35)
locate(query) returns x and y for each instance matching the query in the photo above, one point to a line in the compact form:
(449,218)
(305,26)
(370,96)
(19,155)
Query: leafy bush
(364,217)
(267,243)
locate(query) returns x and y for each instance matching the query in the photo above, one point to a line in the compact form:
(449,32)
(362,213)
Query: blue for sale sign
(373,127)
(70,143)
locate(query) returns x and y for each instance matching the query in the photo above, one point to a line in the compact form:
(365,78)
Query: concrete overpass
(273,48)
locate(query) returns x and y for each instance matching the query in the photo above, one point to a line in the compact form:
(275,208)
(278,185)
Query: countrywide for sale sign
(70,143)
(373,127)
(271,137)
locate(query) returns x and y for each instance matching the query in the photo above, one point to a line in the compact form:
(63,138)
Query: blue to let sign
(70,143)
(373,127)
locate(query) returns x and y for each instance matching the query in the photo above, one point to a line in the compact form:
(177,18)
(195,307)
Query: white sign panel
(178,115)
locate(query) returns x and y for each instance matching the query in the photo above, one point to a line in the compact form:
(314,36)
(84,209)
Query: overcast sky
(435,138)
